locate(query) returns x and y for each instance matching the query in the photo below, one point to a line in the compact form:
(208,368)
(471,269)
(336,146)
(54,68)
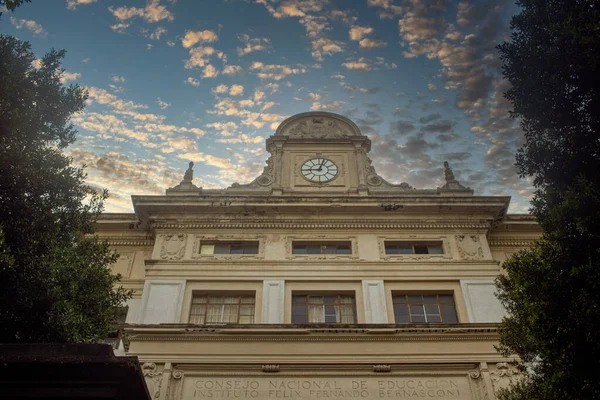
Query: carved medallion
(469,247)
(173,246)
(317,127)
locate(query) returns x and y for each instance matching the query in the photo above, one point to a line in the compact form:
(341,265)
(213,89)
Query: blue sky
(210,80)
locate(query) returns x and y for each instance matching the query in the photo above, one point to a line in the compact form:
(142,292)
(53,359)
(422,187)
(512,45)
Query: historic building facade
(317,280)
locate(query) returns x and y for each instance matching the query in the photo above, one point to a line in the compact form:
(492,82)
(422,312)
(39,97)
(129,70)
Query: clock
(319,170)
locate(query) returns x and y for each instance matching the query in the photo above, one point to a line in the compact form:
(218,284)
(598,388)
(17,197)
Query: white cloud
(362,64)
(193,37)
(118,79)
(30,25)
(259,95)
(72,4)
(199,56)
(192,81)
(274,71)
(158,32)
(236,90)
(85,60)
(152,12)
(323,46)
(209,72)
(232,70)
(338,76)
(162,104)
(69,76)
(220,89)
(359,32)
(207,159)
(371,43)
(252,44)
(120,27)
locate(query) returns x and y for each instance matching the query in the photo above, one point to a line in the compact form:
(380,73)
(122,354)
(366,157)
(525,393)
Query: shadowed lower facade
(317,280)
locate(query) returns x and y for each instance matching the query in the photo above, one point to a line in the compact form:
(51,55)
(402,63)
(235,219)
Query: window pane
(299,249)
(391,249)
(328,249)
(434,318)
(199,300)
(313,249)
(401,314)
(399,299)
(417,318)
(415,299)
(420,249)
(236,248)
(315,299)
(449,314)
(247,300)
(446,299)
(221,248)
(299,319)
(344,250)
(434,249)
(246,319)
(298,299)
(416,309)
(207,249)
(432,309)
(430,299)
(251,249)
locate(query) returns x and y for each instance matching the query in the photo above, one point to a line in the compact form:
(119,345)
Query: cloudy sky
(209,80)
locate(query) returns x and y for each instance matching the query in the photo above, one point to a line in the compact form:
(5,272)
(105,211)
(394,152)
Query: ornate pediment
(318,125)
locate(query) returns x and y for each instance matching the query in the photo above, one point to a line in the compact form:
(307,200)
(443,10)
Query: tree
(55,281)
(11,5)
(552,291)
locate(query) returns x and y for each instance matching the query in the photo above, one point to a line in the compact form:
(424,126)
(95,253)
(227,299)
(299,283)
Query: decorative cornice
(322,224)
(127,241)
(512,242)
(294,333)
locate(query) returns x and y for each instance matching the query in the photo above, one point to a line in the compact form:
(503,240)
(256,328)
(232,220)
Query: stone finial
(448,174)
(451,183)
(186,184)
(189,173)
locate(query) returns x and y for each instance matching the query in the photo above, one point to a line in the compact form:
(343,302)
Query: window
(215,309)
(328,308)
(413,248)
(321,248)
(229,248)
(424,308)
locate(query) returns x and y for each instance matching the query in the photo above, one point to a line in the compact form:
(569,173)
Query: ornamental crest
(469,247)
(317,127)
(173,246)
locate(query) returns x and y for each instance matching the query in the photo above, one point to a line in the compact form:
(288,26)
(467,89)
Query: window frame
(440,303)
(323,245)
(201,240)
(324,294)
(443,241)
(321,239)
(413,244)
(222,294)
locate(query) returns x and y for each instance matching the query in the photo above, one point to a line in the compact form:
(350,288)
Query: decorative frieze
(320,224)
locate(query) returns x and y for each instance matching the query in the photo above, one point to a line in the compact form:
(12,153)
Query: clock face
(319,170)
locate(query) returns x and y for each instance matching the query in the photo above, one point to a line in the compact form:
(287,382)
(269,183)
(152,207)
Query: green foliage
(552,292)
(11,5)
(55,281)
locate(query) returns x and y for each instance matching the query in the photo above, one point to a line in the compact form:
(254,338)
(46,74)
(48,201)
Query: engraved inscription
(327,388)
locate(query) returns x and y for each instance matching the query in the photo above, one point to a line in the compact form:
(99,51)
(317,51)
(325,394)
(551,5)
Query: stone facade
(377,245)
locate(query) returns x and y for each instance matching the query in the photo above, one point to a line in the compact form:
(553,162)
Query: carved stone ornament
(270,368)
(317,127)
(503,371)
(265,179)
(186,184)
(477,384)
(153,379)
(469,247)
(382,368)
(173,246)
